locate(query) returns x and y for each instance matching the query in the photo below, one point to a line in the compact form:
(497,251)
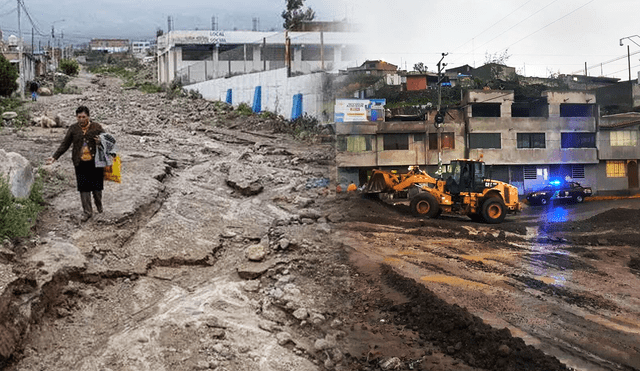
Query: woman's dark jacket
(76,137)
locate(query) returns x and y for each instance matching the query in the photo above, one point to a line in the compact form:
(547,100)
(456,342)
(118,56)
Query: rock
(251,270)
(9,115)
(392,364)
(317,318)
(504,350)
(218,333)
(45,122)
(7,254)
(307,221)
(19,171)
(336,323)
(284,243)
(244,180)
(323,228)
(283,338)
(45,92)
(328,342)
(228,234)
(256,253)
(310,214)
(335,217)
(321,344)
(252,286)
(301,314)
(328,364)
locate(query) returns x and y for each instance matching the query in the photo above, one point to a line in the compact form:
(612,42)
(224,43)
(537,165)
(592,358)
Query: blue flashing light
(555,182)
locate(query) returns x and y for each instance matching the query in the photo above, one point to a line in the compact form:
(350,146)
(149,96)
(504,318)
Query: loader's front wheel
(494,211)
(425,204)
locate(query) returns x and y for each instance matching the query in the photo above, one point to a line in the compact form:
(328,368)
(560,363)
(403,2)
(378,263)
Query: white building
(196,56)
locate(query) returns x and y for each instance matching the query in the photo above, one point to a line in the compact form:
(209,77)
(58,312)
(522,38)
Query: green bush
(244,109)
(17,216)
(69,67)
(15,105)
(8,77)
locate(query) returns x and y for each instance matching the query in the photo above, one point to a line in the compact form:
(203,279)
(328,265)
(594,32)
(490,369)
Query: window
(577,171)
(576,110)
(313,53)
(354,143)
(197,53)
(531,140)
(484,140)
(234,53)
(616,169)
(395,142)
(447,141)
(623,138)
(485,110)
(578,140)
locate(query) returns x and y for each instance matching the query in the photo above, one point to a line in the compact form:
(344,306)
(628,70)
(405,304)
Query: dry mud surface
(219,251)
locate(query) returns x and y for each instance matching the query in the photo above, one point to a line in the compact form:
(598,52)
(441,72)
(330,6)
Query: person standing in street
(84,136)
(33,88)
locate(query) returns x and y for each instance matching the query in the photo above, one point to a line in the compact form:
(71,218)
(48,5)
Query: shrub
(17,216)
(8,77)
(243,109)
(69,67)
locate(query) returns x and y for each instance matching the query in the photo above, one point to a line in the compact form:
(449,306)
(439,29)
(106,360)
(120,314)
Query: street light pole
(628,52)
(20,61)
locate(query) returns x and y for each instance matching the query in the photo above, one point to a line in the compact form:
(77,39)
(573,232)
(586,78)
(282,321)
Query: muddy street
(569,289)
(225,248)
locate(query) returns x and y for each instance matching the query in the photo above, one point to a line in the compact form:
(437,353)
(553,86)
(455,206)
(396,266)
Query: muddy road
(224,249)
(570,289)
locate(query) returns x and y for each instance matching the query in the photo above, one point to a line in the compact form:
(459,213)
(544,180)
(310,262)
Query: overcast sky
(540,36)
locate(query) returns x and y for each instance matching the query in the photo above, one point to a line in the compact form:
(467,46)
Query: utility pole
(20,62)
(439,118)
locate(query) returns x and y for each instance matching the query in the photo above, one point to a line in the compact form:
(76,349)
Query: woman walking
(84,136)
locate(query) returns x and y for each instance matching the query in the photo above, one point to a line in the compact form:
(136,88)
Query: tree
(420,67)
(296,14)
(8,77)
(497,58)
(69,67)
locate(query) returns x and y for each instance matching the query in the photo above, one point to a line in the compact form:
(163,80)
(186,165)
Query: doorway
(632,174)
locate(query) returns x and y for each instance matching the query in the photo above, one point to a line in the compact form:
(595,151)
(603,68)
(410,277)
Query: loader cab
(465,176)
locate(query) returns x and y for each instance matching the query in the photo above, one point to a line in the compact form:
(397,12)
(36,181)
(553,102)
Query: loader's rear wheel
(425,204)
(494,211)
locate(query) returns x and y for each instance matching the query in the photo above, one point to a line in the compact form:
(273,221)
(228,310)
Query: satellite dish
(13,40)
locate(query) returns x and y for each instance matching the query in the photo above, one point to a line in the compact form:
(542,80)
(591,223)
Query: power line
(549,24)
(33,24)
(488,28)
(515,25)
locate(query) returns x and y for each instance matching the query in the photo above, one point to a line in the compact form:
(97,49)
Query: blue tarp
(296,110)
(229,96)
(257,99)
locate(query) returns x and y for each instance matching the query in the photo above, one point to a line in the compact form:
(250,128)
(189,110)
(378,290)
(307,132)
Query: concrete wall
(277,91)
(607,185)
(607,152)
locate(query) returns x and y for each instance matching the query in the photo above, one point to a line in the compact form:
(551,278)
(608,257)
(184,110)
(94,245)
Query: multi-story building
(140,48)
(528,144)
(109,45)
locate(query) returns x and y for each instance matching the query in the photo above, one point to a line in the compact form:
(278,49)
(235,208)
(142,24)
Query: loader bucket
(377,183)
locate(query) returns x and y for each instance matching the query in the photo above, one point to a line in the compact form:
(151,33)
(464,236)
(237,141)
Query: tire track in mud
(582,320)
